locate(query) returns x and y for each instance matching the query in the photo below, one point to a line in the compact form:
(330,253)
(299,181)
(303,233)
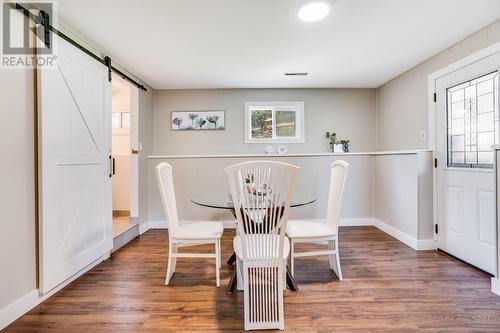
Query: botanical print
(198,120)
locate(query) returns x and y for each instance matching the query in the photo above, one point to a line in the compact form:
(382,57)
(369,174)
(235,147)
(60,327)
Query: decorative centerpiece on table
(260,190)
(341,146)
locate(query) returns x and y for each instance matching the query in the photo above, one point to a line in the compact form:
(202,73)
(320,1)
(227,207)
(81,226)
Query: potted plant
(345,145)
(332,141)
(332,138)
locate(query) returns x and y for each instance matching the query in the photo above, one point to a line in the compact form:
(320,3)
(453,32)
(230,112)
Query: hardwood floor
(388,287)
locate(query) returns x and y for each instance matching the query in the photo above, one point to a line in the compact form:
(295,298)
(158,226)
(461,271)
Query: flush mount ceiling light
(296,74)
(314,10)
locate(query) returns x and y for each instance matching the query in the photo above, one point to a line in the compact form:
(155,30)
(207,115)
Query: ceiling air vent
(296,74)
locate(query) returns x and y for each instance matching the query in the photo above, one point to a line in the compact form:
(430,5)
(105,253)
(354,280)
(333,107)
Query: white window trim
(299,122)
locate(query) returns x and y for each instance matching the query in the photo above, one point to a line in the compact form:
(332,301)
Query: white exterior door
(74,101)
(467,126)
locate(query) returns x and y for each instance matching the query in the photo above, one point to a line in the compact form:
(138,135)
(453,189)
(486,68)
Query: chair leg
(220,253)
(292,258)
(242,272)
(174,261)
(281,311)
(335,259)
(170,264)
(337,255)
(240,276)
(217,263)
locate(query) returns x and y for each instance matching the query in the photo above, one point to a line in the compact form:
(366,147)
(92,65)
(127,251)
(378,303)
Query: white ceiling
(176,44)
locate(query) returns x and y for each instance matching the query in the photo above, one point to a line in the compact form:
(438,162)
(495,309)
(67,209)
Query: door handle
(135,151)
(111,166)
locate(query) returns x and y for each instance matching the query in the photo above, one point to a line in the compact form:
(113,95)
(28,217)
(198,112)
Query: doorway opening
(124,150)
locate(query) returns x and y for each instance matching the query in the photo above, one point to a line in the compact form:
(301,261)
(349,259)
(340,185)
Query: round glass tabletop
(223,200)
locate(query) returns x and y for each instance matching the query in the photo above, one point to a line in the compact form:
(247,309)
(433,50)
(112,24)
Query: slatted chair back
(262,192)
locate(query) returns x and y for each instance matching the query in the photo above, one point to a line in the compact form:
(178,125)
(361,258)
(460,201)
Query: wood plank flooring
(388,287)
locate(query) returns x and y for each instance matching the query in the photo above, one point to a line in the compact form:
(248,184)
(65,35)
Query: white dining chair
(190,234)
(303,231)
(261,193)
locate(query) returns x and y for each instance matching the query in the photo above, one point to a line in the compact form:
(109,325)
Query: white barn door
(74,108)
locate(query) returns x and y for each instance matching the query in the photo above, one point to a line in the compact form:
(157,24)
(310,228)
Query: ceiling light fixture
(314,10)
(296,74)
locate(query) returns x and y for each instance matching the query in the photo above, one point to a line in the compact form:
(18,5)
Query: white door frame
(134,157)
(134,146)
(467,61)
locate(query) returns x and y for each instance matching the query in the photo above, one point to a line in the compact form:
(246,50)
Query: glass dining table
(222,200)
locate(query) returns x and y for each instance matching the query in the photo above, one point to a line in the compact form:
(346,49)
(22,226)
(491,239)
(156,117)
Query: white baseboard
(420,245)
(164,225)
(417,244)
(426,244)
(495,285)
(16,309)
(356,222)
(27,302)
(143,227)
(232,224)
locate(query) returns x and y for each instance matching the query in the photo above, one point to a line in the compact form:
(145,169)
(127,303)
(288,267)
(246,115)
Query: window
(120,119)
(274,122)
(115,116)
(472,116)
(125,119)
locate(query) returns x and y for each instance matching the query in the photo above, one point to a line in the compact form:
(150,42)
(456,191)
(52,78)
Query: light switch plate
(422,135)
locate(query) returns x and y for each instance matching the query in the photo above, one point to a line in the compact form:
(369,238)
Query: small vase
(345,147)
(337,148)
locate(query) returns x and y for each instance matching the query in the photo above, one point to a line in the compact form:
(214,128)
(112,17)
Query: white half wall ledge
(495,286)
(416,244)
(369,153)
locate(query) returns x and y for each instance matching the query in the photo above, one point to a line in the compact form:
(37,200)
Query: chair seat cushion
(308,229)
(199,230)
(260,241)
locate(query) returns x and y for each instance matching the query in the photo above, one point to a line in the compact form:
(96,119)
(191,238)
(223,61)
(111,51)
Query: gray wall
(17,191)
(146,138)
(314,179)
(402,109)
(349,112)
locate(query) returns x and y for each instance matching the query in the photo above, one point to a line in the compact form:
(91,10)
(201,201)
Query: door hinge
(435,162)
(435,97)
(436,228)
